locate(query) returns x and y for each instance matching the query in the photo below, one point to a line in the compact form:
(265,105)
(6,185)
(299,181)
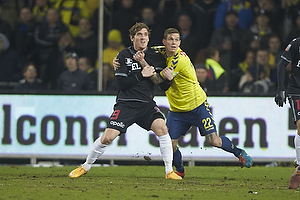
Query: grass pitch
(146,182)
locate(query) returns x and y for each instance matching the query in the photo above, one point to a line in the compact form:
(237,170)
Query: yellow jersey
(185,93)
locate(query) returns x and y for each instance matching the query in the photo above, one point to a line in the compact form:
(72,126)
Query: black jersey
(292,54)
(133,86)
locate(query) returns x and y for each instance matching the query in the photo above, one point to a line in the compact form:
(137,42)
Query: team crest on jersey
(182,53)
(128,61)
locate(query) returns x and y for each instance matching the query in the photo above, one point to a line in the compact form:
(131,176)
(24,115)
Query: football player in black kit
(291,55)
(134,103)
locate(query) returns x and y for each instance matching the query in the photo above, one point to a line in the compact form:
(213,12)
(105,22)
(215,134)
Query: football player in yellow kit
(188,101)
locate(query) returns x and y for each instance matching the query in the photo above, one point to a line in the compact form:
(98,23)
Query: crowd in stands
(234,45)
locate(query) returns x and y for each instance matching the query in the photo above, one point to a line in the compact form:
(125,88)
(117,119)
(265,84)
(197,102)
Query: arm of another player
(280,97)
(157,78)
(126,81)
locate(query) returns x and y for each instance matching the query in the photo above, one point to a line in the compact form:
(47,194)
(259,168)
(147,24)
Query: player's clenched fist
(168,73)
(139,56)
(148,71)
(280,98)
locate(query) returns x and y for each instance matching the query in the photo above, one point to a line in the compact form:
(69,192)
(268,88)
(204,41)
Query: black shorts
(127,113)
(294,101)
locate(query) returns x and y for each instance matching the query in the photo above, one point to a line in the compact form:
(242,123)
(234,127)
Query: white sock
(97,150)
(297,148)
(165,145)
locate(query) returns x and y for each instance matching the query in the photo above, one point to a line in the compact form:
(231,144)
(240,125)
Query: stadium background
(36,105)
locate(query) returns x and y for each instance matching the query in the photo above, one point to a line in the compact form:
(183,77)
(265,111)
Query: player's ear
(164,41)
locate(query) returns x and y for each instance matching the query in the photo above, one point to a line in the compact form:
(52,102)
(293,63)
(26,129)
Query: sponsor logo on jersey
(288,47)
(182,53)
(119,124)
(135,66)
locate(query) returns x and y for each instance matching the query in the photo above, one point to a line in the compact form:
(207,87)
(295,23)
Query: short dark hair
(232,12)
(25,68)
(170,31)
(72,55)
(210,52)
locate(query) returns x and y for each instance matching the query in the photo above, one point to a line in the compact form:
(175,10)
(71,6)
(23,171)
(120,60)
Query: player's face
(172,43)
(140,40)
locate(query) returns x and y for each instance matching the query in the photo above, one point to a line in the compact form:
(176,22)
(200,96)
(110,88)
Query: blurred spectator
(229,44)
(190,42)
(256,81)
(30,80)
(273,10)
(40,9)
(73,79)
(124,18)
(52,3)
(242,8)
(71,12)
(115,45)
(167,12)
(274,47)
(295,32)
(85,65)
(290,10)
(109,81)
(107,21)
(58,58)
(10,63)
(205,82)
(203,12)
(153,3)
(24,34)
(262,59)
(247,62)
(241,71)
(157,30)
(261,30)
(215,70)
(47,35)
(93,5)
(6,29)
(86,41)
(10,10)
(262,72)
(29,3)
(66,43)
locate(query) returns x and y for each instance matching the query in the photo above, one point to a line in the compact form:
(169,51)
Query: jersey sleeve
(292,47)
(126,80)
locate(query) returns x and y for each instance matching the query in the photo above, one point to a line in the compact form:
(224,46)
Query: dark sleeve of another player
(165,85)
(281,73)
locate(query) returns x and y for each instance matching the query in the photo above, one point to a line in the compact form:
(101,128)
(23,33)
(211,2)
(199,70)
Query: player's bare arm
(156,78)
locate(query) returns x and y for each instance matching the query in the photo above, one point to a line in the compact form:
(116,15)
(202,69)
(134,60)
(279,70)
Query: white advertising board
(66,125)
